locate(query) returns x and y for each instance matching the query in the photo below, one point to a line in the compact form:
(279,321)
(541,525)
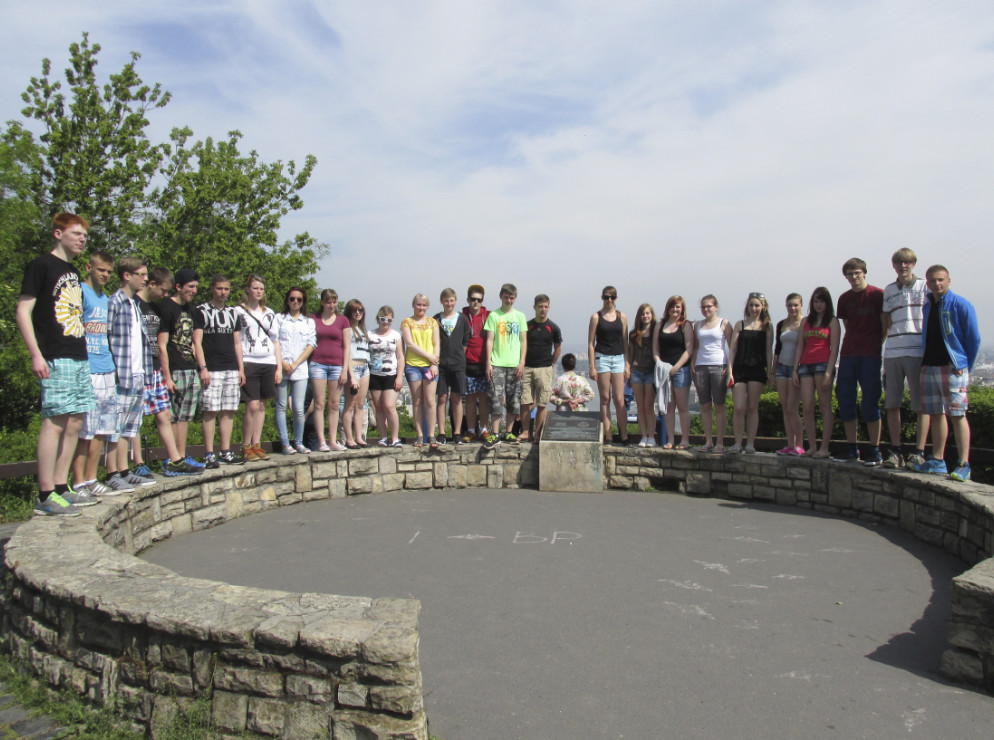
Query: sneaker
(650,442)
(118,484)
(467,438)
(137,479)
(442,439)
(915,459)
(849,455)
(82,497)
(145,471)
(873,459)
(798,452)
(260,454)
(893,459)
(510,439)
(210,461)
(299,447)
(786,451)
(962,472)
(55,505)
(190,461)
(396,443)
(230,458)
(99,489)
(249,454)
(180,467)
(288,450)
(734,449)
(491,441)
(459,440)
(749,450)
(932,465)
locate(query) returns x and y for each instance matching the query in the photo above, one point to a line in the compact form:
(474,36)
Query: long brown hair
(635,335)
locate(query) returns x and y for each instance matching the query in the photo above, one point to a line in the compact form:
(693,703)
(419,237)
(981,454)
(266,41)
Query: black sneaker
(181,467)
(893,459)
(491,441)
(229,458)
(210,461)
(873,458)
(441,439)
(849,455)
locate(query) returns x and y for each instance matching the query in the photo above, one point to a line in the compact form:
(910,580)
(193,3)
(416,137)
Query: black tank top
(609,336)
(672,345)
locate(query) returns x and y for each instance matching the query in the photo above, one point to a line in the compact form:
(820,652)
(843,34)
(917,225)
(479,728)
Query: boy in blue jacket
(951,340)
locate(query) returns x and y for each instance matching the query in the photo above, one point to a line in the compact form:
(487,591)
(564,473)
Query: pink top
(331,348)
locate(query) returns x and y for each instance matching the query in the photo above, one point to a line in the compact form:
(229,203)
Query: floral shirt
(571,387)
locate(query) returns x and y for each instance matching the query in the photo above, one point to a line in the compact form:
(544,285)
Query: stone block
(316,689)
(495,476)
(962,666)
(229,710)
(353,695)
(440,474)
(746,491)
(457,476)
(698,482)
(392,481)
(359,725)
(208,517)
(305,721)
(363,466)
(233,504)
(248,680)
(839,489)
(388,464)
(476,476)
(303,481)
(337,488)
(266,716)
(360,485)
(403,700)
(418,481)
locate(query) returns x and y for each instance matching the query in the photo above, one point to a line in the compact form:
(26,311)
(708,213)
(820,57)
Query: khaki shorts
(537,385)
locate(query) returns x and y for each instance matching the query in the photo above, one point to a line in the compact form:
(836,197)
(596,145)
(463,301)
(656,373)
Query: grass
(66,708)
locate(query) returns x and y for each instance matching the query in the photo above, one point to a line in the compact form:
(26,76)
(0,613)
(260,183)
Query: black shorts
(749,374)
(451,381)
(382,382)
(260,382)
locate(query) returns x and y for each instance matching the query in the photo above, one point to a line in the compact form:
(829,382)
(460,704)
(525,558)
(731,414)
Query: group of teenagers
(106,361)
(914,332)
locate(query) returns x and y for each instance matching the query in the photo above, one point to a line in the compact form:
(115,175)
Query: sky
(661,147)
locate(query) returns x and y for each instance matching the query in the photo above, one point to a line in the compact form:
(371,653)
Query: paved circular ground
(629,615)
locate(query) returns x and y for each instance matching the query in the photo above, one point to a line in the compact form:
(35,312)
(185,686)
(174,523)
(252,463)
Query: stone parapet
(81,612)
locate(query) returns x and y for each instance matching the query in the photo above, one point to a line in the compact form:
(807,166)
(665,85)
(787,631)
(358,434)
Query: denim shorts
(414,373)
(360,371)
(809,371)
(643,377)
(784,371)
(317,371)
(609,363)
(682,379)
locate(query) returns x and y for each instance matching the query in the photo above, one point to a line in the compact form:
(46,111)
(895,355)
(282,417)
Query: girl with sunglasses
(386,375)
(607,344)
(297,341)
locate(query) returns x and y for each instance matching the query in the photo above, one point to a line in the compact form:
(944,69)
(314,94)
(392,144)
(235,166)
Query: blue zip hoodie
(960,332)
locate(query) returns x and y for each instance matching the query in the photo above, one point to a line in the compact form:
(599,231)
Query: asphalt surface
(629,615)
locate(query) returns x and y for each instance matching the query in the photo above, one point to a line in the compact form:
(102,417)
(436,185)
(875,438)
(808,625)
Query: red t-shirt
(861,312)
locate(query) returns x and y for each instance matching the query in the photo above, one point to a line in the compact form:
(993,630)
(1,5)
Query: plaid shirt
(121,313)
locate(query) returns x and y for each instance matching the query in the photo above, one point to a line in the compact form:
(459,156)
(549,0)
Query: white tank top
(711,345)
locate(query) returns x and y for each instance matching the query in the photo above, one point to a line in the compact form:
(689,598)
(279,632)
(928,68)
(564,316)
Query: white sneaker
(651,442)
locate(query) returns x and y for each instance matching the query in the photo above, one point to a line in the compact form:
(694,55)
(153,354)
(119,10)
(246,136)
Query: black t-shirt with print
(58,311)
(219,326)
(177,322)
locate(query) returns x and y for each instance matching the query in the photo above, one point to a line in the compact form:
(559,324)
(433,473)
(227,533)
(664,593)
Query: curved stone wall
(83,613)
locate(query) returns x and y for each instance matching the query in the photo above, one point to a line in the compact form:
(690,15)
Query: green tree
(220,211)
(95,158)
(83,147)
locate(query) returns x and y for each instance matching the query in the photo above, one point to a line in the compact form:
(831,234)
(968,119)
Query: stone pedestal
(570,455)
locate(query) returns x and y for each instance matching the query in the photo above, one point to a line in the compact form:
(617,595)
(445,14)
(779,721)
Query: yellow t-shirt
(422,335)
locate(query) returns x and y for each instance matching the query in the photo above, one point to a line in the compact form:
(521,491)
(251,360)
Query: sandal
(324,448)
(668,446)
(706,448)
(683,447)
(351,447)
(433,443)
(418,442)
